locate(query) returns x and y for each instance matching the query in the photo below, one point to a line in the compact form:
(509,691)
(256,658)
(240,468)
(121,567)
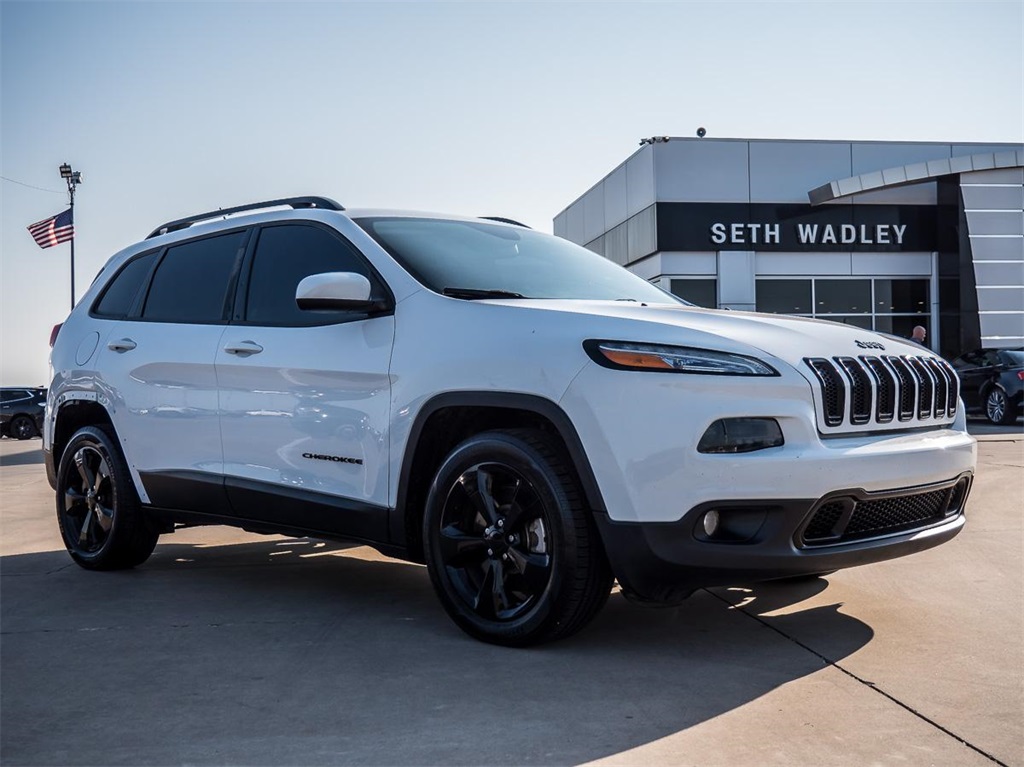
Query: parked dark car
(991,382)
(21,412)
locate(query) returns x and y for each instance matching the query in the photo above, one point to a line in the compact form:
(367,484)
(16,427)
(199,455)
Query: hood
(790,339)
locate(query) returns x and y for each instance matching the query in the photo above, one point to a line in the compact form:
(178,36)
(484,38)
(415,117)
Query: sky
(473,108)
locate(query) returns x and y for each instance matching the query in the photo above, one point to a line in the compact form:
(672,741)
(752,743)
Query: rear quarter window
(119,295)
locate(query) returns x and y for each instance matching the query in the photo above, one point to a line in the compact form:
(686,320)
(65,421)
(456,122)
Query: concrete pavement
(230,648)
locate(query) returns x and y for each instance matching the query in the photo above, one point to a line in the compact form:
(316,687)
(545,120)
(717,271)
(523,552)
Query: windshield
(468,259)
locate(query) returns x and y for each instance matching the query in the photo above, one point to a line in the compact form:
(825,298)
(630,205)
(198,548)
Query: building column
(736,289)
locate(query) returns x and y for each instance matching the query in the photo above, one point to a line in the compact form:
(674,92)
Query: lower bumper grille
(874,515)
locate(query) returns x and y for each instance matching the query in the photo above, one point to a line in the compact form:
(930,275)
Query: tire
(510,545)
(22,427)
(998,409)
(98,510)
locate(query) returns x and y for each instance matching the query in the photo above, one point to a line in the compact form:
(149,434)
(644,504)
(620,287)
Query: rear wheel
(22,427)
(98,509)
(997,408)
(511,549)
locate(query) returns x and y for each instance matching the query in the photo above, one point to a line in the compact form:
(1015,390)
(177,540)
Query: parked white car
(529,419)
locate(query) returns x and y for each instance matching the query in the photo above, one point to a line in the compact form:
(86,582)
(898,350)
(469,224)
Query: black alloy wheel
(997,408)
(494,541)
(97,507)
(510,546)
(22,427)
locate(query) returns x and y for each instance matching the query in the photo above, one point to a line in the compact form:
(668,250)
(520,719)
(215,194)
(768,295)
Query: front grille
(871,391)
(849,518)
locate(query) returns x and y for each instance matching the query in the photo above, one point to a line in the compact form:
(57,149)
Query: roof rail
(502,220)
(296,202)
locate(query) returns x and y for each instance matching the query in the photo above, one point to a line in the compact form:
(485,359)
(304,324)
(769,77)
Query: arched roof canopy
(903,175)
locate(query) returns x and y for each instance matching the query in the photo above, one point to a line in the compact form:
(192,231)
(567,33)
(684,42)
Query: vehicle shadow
(26,458)
(300,652)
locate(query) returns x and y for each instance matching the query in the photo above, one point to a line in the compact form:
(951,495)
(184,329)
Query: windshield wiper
(472,293)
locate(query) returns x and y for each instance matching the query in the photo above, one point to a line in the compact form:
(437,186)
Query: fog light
(711,523)
(740,435)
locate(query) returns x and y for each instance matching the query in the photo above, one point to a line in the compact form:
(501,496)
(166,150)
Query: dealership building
(879,235)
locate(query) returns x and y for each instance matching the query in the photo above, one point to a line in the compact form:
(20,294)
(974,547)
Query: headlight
(620,355)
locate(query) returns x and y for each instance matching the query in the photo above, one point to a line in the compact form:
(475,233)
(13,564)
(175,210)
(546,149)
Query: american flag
(53,230)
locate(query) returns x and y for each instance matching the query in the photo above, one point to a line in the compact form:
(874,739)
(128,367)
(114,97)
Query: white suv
(529,419)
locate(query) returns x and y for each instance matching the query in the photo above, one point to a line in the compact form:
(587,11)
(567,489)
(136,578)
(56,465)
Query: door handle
(244,348)
(124,345)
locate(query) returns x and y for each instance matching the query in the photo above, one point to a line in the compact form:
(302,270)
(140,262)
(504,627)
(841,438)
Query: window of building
(284,256)
(191,283)
(119,296)
(886,305)
(842,296)
(700,292)
(784,296)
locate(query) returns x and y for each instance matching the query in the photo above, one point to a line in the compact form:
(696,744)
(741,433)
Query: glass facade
(700,292)
(886,305)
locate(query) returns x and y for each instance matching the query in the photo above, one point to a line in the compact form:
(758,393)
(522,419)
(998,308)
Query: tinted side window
(120,293)
(284,256)
(191,282)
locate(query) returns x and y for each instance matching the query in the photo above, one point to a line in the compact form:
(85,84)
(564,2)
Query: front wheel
(509,543)
(997,408)
(97,507)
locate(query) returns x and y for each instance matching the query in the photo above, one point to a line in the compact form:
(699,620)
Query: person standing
(919,334)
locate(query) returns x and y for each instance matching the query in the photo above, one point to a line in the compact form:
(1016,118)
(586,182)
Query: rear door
(305,395)
(158,364)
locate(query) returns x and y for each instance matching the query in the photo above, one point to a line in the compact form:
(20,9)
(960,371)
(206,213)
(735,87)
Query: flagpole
(74,178)
(71,190)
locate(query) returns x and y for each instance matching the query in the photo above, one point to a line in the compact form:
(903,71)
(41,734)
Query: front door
(305,396)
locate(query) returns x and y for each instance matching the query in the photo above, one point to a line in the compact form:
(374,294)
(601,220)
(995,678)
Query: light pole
(74,178)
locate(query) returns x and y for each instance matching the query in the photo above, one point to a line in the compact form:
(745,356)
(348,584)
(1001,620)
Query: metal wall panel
(616,207)
(997,248)
(689,264)
(999,272)
(966,149)
(736,289)
(559,227)
(616,244)
(925,193)
(593,213)
(786,171)
(574,223)
(995,222)
(1008,298)
(649,268)
(995,176)
(803,264)
(1005,325)
(701,170)
(892,264)
(642,234)
(977,197)
(868,157)
(640,181)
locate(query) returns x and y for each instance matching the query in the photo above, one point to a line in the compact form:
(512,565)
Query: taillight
(53,334)
(1020,375)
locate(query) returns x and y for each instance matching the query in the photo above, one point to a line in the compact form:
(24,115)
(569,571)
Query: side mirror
(336,291)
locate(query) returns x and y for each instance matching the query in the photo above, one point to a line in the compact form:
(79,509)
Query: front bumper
(665,562)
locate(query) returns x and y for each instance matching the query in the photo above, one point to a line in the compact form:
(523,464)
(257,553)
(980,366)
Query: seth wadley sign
(797,227)
(808,234)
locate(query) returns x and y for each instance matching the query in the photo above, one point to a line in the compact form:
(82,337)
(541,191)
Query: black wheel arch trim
(532,403)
